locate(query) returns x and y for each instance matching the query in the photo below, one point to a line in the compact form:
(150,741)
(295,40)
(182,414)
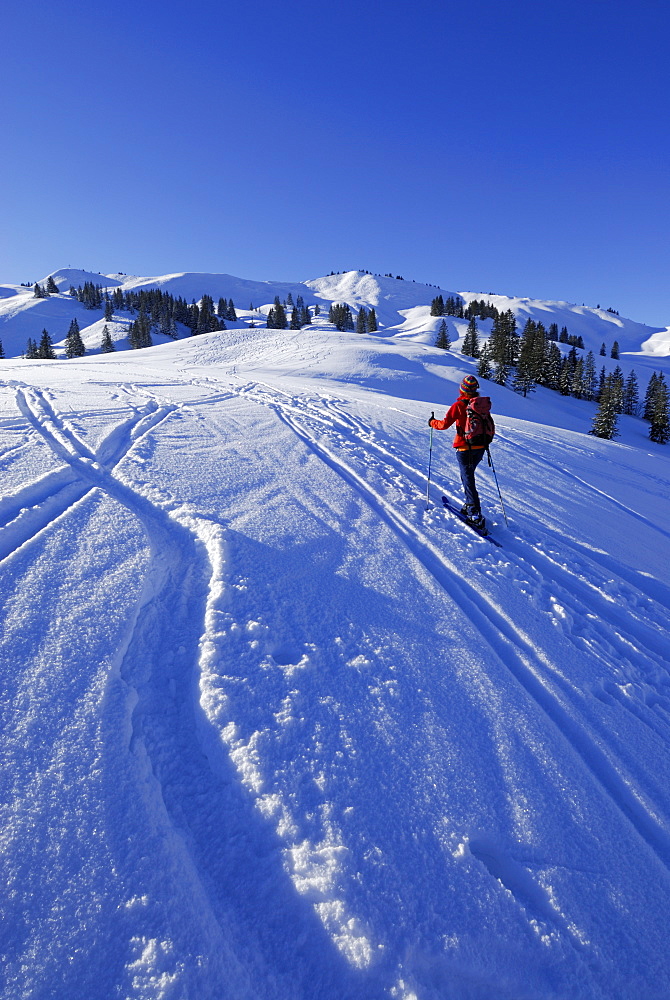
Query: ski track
(24,514)
(205,809)
(528,664)
(180,575)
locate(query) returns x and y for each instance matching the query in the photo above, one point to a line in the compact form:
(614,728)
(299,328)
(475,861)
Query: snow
(273,729)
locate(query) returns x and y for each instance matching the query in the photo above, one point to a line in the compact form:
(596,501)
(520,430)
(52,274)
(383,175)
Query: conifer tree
(565,377)
(605,420)
(38,291)
(631,395)
(615,350)
(553,331)
(603,352)
(45,350)
(437,306)
(222,308)
(107,345)
(295,319)
(553,367)
(2,350)
(526,373)
(577,379)
(471,340)
(372,319)
(74,345)
(617,388)
(109,310)
(51,287)
(362,320)
(649,396)
(231,314)
(590,377)
(484,369)
(31,350)
(660,413)
(442,341)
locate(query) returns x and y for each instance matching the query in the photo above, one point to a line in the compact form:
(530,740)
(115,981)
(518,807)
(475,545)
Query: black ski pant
(467,463)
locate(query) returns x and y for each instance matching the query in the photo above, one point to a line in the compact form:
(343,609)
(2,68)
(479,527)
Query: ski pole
(430,460)
(496,479)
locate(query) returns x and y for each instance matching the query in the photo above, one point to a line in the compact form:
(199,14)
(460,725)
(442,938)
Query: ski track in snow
(594,601)
(529,665)
(192,786)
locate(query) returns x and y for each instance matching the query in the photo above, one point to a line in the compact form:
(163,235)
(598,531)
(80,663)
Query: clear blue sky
(514,147)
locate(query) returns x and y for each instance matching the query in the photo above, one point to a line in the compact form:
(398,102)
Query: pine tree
(437,306)
(603,352)
(52,287)
(372,319)
(107,345)
(649,396)
(618,388)
(471,340)
(230,313)
(553,331)
(31,350)
(553,367)
(295,319)
(577,382)
(74,345)
(526,373)
(2,350)
(605,420)
(362,320)
(38,292)
(277,319)
(484,369)
(442,340)
(660,414)
(590,377)
(615,350)
(565,377)
(631,395)
(45,350)
(109,310)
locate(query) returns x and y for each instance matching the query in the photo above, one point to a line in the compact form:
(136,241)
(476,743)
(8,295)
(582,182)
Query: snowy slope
(273,729)
(402,308)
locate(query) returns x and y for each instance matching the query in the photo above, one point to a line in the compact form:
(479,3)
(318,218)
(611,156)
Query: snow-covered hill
(402,308)
(274,728)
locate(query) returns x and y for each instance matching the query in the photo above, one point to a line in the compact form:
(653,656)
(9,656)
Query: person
(468,456)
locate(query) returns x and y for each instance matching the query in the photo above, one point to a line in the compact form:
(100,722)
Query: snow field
(286,732)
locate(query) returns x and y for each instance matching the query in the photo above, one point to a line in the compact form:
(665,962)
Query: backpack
(479,426)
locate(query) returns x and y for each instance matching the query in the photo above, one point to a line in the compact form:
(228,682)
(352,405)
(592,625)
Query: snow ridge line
(524,661)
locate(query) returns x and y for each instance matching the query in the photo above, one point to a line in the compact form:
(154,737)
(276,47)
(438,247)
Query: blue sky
(519,147)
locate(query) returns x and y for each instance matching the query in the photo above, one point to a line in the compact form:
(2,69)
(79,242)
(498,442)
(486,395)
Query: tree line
(534,358)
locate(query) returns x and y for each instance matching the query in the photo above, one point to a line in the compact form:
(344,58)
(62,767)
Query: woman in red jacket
(469,456)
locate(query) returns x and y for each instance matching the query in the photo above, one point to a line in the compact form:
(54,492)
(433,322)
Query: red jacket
(456,415)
